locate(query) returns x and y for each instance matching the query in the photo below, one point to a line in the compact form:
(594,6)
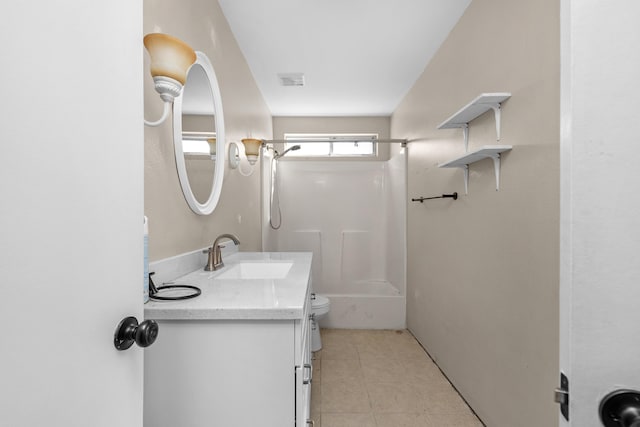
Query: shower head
(294,148)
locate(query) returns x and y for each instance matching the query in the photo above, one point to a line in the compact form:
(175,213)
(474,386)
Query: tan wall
(379,125)
(174,228)
(483,270)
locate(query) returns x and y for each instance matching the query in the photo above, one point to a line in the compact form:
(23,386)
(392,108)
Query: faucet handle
(210,259)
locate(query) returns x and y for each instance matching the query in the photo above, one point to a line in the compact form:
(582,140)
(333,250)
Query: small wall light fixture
(252,149)
(170,61)
(251,153)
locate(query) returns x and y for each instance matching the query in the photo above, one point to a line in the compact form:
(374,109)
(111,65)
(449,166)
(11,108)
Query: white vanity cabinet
(304,369)
(249,369)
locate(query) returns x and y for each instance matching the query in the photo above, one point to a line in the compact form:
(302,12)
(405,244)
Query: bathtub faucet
(214,261)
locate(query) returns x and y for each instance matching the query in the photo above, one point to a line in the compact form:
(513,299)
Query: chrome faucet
(214,262)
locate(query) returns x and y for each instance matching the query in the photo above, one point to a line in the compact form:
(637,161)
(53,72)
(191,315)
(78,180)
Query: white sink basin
(257,270)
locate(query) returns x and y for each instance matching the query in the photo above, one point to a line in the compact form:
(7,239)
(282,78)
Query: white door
(600,220)
(71,211)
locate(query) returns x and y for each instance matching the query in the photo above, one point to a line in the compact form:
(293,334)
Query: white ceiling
(359,57)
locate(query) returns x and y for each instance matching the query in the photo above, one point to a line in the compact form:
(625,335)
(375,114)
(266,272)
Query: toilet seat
(320,301)
(320,305)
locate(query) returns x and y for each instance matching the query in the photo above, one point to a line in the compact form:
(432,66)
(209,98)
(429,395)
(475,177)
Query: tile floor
(372,378)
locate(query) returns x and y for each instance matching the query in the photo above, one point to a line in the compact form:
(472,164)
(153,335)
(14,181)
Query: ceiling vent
(291,79)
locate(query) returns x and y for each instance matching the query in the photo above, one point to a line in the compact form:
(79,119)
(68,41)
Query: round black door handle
(621,409)
(129,332)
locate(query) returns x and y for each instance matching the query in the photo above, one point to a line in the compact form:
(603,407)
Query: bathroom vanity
(239,354)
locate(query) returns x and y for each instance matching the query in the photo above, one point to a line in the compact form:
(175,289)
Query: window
(197,143)
(331,145)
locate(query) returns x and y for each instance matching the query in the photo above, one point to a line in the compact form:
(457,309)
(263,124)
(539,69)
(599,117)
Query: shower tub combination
(351,215)
(370,305)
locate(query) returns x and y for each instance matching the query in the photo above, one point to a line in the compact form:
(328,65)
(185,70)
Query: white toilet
(319,307)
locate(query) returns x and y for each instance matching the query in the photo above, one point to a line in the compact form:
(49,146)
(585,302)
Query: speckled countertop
(226,294)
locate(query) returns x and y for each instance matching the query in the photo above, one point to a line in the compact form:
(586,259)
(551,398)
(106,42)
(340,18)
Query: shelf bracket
(465,177)
(465,171)
(497,112)
(496,168)
(465,133)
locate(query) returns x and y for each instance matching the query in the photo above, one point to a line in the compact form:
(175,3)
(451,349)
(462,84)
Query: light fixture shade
(170,57)
(252,149)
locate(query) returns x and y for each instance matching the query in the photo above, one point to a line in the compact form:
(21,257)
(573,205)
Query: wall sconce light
(170,61)
(251,149)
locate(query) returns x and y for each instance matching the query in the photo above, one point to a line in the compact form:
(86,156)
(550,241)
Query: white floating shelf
(486,152)
(480,105)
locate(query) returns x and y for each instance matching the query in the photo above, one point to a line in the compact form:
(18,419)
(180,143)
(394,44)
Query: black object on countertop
(154,292)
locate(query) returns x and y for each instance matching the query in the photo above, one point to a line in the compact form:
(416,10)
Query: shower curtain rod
(299,141)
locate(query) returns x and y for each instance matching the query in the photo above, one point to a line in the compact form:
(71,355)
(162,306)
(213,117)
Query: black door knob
(621,409)
(129,332)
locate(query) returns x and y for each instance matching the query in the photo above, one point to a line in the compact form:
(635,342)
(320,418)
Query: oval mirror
(198,137)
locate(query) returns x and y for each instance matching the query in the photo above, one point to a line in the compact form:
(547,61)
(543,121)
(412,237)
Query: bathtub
(366,305)
(352,216)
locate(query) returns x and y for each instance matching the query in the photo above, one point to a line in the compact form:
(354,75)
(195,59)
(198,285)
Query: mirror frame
(218,174)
